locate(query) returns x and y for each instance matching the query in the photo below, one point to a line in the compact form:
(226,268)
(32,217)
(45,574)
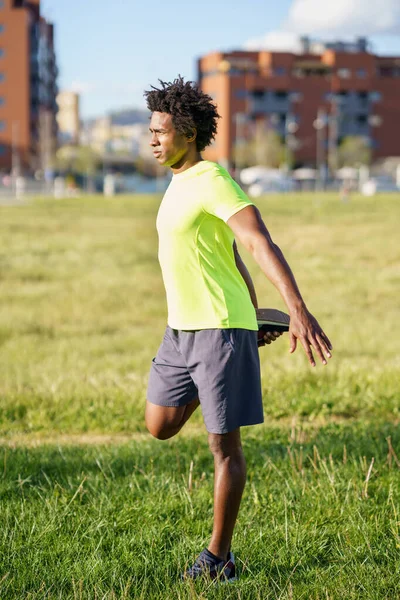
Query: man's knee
(225,445)
(161,433)
(160,423)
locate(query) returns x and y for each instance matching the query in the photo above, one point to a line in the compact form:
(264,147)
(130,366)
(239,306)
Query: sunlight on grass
(82,310)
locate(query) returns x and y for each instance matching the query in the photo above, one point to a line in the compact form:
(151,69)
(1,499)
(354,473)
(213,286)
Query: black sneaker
(208,565)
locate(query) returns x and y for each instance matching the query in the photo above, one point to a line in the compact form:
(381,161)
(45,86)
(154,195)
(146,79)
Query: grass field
(91,507)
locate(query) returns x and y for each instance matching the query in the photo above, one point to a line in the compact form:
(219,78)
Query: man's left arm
(263,337)
(246,275)
(250,230)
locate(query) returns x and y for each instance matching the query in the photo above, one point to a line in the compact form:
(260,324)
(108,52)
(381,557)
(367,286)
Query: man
(209,353)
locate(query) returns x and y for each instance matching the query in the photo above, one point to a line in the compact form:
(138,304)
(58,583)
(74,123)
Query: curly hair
(189,107)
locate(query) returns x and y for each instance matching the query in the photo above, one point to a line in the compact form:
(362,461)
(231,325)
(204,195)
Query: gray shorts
(219,366)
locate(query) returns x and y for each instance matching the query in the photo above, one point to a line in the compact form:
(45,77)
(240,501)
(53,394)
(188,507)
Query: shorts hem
(229,429)
(171,404)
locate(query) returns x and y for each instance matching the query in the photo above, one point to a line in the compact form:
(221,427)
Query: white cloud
(344,17)
(339,19)
(279,41)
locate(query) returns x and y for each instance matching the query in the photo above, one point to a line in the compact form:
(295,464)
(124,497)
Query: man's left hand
(267,337)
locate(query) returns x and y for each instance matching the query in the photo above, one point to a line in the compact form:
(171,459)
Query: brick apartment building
(28,72)
(357,92)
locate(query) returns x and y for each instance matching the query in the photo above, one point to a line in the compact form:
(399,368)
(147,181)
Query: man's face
(169,147)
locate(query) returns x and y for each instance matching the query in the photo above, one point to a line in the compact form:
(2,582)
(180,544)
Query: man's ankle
(218,555)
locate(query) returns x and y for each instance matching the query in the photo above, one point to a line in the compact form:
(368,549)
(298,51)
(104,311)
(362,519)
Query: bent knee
(161,423)
(161,433)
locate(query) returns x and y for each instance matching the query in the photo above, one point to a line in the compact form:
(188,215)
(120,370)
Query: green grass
(121,521)
(90,507)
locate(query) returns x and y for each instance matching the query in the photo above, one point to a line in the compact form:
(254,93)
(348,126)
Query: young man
(209,353)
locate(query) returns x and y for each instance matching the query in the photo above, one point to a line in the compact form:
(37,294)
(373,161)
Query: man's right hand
(305,328)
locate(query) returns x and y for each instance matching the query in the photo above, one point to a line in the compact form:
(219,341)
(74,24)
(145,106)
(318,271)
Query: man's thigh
(160,417)
(170,384)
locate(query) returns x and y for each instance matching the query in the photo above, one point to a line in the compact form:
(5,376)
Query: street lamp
(333,134)
(291,127)
(319,125)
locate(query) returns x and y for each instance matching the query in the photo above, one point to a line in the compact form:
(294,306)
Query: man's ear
(191,135)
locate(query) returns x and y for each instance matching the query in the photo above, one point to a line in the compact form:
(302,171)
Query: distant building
(28,73)
(68,118)
(356,91)
(125,132)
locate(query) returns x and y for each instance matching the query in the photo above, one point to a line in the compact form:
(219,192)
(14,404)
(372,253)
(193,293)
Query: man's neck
(186,163)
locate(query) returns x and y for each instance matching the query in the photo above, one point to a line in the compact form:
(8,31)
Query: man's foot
(209,565)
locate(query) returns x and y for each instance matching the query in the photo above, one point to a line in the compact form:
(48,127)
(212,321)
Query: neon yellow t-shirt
(204,288)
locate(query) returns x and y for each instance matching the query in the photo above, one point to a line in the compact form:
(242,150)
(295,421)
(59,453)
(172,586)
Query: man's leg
(229,482)
(163,422)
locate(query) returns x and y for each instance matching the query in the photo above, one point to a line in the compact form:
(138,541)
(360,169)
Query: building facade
(28,88)
(125,132)
(313,100)
(68,117)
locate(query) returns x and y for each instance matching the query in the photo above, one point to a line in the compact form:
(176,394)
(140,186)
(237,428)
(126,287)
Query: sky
(110,51)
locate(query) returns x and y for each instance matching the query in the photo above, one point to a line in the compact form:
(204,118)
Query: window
(362,119)
(341,97)
(361,73)
(3,149)
(1,27)
(389,71)
(258,93)
(2,125)
(279,71)
(281,95)
(240,94)
(2,100)
(375,96)
(1,77)
(344,73)
(296,96)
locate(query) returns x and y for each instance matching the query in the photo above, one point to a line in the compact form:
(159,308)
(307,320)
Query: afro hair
(190,109)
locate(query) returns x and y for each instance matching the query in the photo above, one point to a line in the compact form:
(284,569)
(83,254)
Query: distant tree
(77,159)
(265,148)
(354,151)
(269,150)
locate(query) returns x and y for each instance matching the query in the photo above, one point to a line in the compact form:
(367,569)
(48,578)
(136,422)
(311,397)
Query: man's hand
(305,327)
(267,337)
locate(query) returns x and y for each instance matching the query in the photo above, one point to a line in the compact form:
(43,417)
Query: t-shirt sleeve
(224,197)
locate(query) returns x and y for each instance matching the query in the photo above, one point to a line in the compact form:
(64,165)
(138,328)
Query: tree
(265,148)
(77,159)
(354,151)
(269,150)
